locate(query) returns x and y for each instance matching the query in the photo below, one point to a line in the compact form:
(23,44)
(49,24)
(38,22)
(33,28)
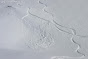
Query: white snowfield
(43,29)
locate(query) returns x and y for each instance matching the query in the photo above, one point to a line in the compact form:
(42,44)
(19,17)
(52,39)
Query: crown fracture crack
(73,31)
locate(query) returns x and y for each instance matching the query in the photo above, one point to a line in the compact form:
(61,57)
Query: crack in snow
(44,36)
(72,40)
(53,21)
(73,31)
(79,46)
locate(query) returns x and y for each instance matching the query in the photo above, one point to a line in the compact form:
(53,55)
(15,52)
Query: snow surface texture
(38,23)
